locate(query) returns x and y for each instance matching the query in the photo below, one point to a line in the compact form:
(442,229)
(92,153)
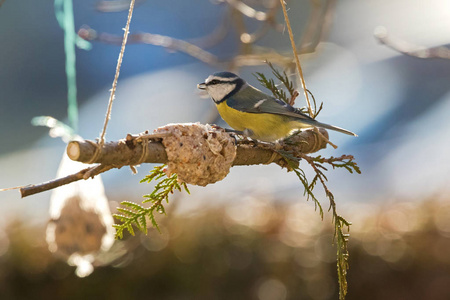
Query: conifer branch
(317,163)
(341,238)
(133,214)
(279,93)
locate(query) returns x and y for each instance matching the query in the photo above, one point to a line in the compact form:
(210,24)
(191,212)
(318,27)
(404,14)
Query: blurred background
(382,70)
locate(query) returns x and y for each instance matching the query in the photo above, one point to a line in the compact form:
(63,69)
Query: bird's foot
(245,135)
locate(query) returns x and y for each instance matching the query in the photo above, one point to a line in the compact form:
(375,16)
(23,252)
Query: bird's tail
(335,128)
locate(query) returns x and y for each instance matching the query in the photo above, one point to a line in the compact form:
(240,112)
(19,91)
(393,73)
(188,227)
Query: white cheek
(220,91)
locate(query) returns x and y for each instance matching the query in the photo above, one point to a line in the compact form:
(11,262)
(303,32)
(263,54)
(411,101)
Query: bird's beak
(201,86)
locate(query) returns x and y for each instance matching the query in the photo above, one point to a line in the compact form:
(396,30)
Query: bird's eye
(214,81)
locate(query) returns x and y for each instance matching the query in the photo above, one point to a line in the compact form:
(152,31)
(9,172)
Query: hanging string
(116,77)
(297,61)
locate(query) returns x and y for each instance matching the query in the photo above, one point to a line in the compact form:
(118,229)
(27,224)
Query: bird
(254,113)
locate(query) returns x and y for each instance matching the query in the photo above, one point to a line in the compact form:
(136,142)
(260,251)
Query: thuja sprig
(316,110)
(273,87)
(317,163)
(341,238)
(308,187)
(135,214)
(279,93)
(344,161)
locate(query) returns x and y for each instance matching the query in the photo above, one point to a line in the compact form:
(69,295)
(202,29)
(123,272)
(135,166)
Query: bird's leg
(234,131)
(246,133)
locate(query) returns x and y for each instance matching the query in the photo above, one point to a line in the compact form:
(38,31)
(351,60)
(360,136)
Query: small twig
(152,39)
(91,173)
(406,48)
(270,22)
(258,59)
(1,2)
(42,187)
(297,61)
(318,25)
(316,130)
(11,188)
(247,10)
(293,97)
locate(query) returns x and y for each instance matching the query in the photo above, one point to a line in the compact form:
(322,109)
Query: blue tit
(256,114)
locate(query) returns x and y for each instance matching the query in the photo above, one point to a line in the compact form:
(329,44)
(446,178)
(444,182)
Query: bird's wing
(252,100)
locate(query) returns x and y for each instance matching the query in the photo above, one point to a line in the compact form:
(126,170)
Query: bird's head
(222,85)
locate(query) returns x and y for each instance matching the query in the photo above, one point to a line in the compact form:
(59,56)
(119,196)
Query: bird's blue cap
(225,74)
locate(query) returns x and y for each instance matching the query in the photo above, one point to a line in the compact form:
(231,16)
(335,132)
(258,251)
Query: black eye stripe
(217,81)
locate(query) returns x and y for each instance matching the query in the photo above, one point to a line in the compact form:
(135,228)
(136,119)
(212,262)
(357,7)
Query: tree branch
(173,44)
(124,152)
(45,186)
(131,151)
(381,34)
(317,27)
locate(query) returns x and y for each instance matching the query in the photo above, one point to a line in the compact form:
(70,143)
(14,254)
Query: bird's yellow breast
(265,126)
